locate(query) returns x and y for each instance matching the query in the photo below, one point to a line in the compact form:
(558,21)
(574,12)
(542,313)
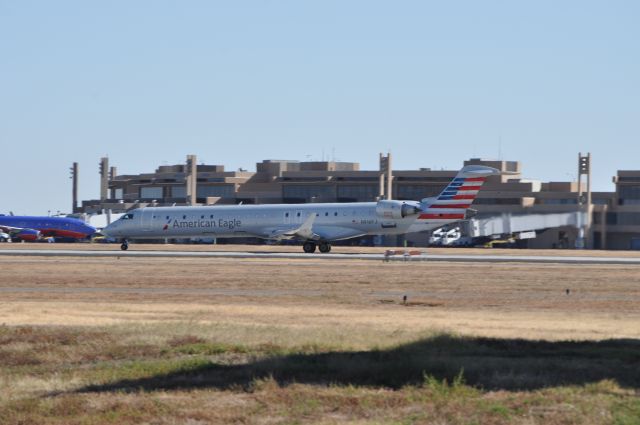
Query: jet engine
(28,235)
(397,209)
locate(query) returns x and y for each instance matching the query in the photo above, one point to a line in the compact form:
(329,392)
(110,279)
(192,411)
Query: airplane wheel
(309,247)
(324,247)
(124,246)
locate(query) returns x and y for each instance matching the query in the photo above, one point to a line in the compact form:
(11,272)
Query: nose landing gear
(125,245)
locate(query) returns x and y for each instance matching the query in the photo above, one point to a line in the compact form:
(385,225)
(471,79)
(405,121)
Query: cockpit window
(127,216)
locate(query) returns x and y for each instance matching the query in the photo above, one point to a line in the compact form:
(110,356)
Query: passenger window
(298,214)
(167,217)
(286,214)
(335,213)
(184,217)
(201,216)
(326,214)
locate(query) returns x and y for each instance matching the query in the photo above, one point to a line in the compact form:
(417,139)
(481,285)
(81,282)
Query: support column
(191,177)
(113,173)
(603,227)
(389,193)
(585,236)
(104,178)
(74,193)
(386,172)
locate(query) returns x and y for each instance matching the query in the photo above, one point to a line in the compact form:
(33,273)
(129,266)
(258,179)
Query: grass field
(261,341)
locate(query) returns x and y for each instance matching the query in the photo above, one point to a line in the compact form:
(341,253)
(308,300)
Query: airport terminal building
(612,219)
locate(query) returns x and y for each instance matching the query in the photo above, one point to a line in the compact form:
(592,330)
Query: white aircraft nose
(109,230)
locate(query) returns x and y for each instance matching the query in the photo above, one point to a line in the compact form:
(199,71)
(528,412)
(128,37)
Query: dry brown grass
(523,300)
(301,341)
(439,379)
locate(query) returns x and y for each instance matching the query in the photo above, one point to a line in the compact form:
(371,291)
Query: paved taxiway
(487,258)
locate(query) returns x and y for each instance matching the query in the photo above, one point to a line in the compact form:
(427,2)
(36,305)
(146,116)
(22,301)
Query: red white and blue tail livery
(454,201)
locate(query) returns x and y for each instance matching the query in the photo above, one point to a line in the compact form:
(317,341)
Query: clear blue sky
(235,82)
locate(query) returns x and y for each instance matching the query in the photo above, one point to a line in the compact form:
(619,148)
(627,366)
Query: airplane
(33,228)
(316,224)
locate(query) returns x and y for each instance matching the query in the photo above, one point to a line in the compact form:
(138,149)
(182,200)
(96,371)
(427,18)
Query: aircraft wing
(21,232)
(336,233)
(307,231)
(10,229)
(304,231)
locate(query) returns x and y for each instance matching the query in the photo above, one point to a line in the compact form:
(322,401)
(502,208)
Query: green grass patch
(210,348)
(109,372)
(627,413)
(125,379)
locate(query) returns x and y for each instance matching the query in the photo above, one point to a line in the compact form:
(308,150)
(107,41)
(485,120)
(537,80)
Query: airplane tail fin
(454,200)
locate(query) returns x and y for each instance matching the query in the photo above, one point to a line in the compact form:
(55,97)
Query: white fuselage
(316,224)
(333,221)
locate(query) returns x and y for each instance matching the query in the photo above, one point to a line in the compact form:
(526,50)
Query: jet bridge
(515,224)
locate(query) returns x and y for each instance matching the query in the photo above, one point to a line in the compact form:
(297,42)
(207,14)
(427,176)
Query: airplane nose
(108,231)
(113,229)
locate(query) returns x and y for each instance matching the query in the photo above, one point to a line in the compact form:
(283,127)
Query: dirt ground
(539,301)
(128,340)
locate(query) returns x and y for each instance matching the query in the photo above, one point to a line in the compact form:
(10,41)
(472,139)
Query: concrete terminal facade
(614,216)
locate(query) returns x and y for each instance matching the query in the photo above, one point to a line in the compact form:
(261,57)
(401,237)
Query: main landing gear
(310,247)
(125,245)
(324,247)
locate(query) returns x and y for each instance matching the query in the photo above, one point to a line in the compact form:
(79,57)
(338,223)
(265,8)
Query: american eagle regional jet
(315,224)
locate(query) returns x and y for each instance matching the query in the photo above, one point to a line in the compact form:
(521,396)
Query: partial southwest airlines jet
(315,224)
(32,228)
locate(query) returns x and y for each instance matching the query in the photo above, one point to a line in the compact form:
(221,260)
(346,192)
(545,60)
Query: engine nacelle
(29,235)
(397,209)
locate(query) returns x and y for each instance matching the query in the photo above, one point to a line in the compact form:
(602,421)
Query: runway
(483,258)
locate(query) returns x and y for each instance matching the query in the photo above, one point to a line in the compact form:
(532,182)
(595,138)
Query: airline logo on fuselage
(204,224)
